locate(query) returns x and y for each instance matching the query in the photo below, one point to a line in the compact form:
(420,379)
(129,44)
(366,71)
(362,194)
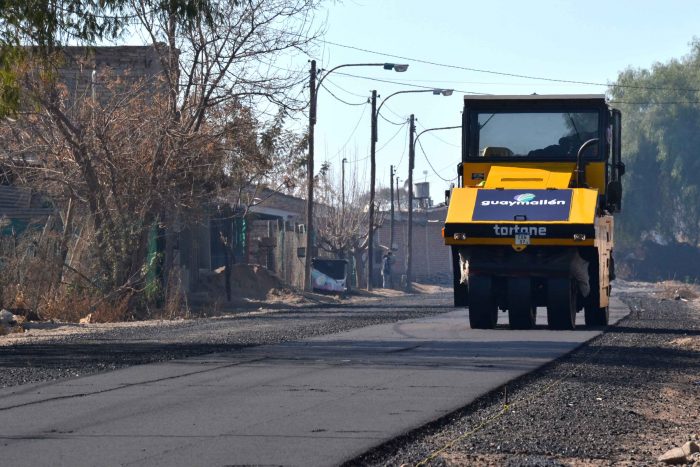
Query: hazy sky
(585,40)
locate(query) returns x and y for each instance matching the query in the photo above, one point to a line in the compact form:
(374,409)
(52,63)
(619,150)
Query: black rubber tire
(597,316)
(461,291)
(483,310)
(521,312)
(561,303)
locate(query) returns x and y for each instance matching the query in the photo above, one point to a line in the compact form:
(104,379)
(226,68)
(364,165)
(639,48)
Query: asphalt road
(317,401)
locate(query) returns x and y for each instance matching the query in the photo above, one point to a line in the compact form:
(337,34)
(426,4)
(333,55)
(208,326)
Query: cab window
(556,135)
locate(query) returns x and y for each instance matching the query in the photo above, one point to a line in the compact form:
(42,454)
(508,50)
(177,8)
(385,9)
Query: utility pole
(372,178)
(308,286)
(411,161)
(391,225)
(314,88)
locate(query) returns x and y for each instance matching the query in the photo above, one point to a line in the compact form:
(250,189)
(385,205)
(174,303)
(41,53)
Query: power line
(341,100)
(343,89)
(655,103)
(503,73)
(420,143)
(432,134)
(390,139)
(492,72)
(399,83)
(403,152)
(342,148)
(391,121)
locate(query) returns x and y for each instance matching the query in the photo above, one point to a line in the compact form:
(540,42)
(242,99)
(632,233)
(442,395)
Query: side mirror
(614,194)
(447,197)
(620,169)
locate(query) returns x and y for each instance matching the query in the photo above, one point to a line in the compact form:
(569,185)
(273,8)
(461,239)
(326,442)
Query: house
(269,234)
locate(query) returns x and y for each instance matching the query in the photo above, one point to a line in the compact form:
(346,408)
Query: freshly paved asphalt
(318,401)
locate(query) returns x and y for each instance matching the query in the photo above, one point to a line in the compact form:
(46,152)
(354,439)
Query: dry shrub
(674,290)
(113,311)
(71,306)
(176,305)
(67,306)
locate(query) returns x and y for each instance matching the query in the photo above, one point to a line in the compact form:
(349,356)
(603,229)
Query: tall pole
(391,225)
(411,161)
(372,179)
(314,87)
(308,286)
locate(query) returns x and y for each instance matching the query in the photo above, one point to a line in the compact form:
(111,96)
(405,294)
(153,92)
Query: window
(557,135)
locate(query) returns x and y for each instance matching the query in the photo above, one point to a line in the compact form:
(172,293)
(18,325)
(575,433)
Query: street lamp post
(375,115)
(409,240)
(391,224)
(411,163)
(314,87)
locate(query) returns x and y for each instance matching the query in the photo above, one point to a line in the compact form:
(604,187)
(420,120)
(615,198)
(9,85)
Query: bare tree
(343,224)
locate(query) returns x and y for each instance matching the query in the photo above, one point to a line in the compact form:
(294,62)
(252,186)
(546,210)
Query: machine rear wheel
(597,316)
(521,311)
(483,310)
(561,303)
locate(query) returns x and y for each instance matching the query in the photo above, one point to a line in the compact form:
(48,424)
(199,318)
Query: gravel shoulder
(52,351)
(622,399)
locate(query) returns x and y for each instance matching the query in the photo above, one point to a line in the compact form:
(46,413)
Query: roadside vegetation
(125,160)
(661,205)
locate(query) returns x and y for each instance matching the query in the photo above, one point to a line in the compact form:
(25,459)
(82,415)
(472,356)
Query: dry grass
(675,290)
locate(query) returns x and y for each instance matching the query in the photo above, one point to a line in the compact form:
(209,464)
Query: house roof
(16,204)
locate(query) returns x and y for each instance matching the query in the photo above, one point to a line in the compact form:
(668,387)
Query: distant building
(431,259)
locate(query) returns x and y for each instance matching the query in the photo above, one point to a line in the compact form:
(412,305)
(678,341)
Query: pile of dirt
(248,281)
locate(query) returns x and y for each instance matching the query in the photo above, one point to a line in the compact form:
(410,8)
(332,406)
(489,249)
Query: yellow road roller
(530,222)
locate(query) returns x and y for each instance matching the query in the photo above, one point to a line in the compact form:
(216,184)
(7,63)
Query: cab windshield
(557,135)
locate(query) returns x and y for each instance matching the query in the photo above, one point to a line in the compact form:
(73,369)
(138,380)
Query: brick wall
(431,258)
(128,63)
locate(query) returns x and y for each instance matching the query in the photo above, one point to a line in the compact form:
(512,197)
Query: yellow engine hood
(537,203)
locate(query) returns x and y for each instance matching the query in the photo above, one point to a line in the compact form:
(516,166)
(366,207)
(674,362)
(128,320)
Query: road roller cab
(531,221)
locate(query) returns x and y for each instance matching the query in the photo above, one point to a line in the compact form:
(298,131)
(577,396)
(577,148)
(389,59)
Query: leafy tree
(661,115)
(152,151)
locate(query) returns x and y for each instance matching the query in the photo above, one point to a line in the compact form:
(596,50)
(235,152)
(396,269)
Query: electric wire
(420,143)
(400,83)
(503,73)
(433,135)
(486,71)
(357,125)
(341,100)
(391,121)
(403,152)
(343,89)
(390,139)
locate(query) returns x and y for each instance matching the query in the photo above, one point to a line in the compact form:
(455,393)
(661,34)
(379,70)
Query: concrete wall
(431,258)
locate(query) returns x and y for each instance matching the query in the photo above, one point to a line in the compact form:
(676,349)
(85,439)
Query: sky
(587,41)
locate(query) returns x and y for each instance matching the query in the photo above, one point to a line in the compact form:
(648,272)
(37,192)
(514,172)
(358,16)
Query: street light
(411,162)
(373,170)
(313,90)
